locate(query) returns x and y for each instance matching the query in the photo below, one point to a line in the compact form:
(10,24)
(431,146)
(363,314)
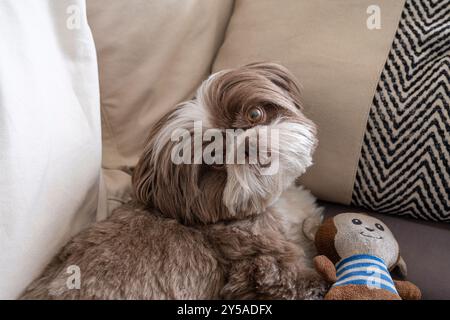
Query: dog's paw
(313,286)
(317,291)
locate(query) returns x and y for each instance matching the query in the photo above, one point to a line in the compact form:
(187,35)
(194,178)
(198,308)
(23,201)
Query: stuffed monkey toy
(356,254)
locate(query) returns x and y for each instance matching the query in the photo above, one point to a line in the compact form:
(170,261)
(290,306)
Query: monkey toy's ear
(400,267)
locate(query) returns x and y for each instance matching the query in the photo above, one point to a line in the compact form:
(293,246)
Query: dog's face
(231,151)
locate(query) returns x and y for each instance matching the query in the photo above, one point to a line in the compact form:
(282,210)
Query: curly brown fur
(198,231)
(262,263)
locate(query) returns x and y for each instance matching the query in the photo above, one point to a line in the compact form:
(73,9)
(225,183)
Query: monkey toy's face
(359,233)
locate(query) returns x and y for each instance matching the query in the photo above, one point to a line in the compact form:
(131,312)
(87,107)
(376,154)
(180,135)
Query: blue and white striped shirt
(364,269)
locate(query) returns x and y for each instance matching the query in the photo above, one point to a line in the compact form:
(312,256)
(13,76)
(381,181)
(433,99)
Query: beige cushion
(327,44)
(152,55)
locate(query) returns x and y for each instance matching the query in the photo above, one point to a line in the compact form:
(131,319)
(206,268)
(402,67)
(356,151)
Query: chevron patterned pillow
(404,167)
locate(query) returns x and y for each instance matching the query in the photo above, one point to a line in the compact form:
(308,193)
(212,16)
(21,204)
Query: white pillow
(50,141)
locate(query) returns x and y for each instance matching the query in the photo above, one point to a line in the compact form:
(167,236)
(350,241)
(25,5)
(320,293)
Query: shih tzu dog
(208,221)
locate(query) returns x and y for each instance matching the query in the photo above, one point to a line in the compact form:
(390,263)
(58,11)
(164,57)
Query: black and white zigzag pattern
(405,158)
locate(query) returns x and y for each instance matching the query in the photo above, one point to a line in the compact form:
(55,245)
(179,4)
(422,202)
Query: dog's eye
(255,114)
(356,221)
(379,226)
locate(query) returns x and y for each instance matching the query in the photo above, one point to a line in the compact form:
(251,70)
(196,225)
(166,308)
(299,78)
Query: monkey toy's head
(350,234)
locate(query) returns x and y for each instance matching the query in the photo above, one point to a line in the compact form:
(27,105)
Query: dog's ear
(144,171)
(159,180)
(281,77)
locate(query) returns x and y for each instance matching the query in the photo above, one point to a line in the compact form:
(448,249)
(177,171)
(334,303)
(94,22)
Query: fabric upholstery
(404,166)
(50,139)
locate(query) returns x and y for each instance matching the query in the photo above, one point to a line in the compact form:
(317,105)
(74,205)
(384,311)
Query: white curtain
(50,137)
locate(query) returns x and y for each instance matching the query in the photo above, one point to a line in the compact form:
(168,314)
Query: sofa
(375,80)
(344,61)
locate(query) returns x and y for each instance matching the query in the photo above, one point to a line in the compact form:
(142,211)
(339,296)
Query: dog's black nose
(368,229)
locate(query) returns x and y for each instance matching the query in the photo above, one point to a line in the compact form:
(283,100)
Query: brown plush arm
(325,268)
(407,290)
